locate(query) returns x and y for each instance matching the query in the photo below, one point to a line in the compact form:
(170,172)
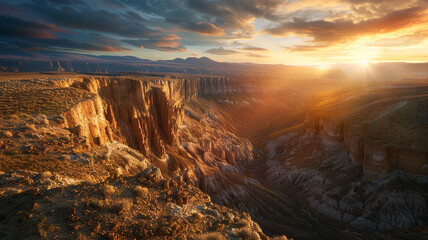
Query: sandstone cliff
(151,117)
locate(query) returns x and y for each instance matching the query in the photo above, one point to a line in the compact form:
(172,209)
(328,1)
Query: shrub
(109,190)
(120,206)
(46,174)
(8,134)
(141,191)
(94,203)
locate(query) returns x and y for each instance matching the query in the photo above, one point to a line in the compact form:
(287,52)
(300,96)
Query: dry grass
(23,97)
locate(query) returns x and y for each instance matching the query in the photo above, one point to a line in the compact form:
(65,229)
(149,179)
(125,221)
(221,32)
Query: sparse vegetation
(24,97)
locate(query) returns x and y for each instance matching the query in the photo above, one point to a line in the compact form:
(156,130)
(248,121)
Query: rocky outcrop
(128,111)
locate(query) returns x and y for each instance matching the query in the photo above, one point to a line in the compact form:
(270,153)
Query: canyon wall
(376,158)
(151,117)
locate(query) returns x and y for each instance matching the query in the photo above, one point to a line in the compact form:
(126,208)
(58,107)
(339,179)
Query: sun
(363,61)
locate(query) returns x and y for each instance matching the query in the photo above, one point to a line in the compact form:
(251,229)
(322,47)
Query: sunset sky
(262,31)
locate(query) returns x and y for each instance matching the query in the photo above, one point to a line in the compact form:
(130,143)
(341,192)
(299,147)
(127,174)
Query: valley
(313,158)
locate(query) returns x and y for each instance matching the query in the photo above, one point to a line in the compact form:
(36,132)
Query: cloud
(84,17)
(258,49)
(305,48)
(89,27)
(221,51)
(91,42)
(204,28)
(23,28)
(340,31)
(171,25)
(167,43)
(254,55)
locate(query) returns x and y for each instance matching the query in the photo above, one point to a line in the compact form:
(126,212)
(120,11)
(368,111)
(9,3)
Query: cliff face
(132,112)
(376,158)
(149,116)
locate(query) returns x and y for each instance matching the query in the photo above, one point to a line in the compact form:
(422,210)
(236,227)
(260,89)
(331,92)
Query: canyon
(316,158)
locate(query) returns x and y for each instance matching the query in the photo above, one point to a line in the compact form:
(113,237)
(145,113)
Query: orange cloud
(325,33)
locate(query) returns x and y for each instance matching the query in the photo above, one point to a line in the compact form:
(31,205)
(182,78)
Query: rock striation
(142,114)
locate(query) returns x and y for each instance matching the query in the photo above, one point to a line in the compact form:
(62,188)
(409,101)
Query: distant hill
(67,62)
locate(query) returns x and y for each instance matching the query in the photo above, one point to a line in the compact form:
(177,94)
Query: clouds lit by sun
(263,31)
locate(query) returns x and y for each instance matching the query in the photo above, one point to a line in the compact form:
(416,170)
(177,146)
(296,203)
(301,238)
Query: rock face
(376,159)
(381,136)
(356,156)
(142,114)
(149,116)
(321,173)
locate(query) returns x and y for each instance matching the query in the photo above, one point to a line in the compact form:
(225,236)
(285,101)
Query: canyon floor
(181,156)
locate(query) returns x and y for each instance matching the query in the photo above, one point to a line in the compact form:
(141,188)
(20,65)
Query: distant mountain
(15,61)
(203,61)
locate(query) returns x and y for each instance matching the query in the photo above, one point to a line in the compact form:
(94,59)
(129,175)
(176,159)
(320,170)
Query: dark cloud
(258,49)
(23,28)
(254,55)
(221,51)
(91,42)
(227,18)
(89,27)
(115,25)
(204,28)
(339,31)
(83,17)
